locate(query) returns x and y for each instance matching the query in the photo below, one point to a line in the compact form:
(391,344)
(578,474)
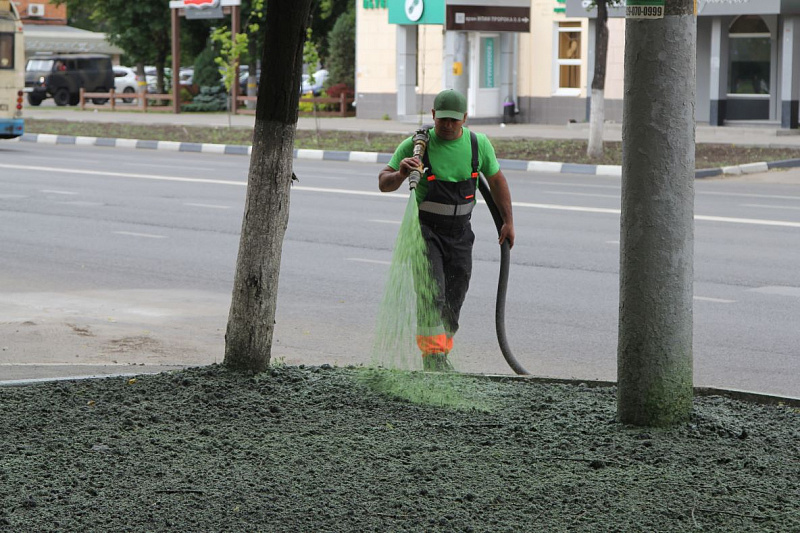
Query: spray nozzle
(420,141)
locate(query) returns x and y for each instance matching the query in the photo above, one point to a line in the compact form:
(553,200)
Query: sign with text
(644,9)
(488,18)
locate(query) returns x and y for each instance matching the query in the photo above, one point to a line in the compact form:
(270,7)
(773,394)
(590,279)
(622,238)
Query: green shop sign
(416,11)
(374,4)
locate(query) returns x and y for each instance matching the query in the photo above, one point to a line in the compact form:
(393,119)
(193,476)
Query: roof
(66,39)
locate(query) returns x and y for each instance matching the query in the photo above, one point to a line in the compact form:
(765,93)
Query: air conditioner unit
(35,10)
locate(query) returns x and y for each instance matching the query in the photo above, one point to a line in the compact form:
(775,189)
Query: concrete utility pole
(654,355)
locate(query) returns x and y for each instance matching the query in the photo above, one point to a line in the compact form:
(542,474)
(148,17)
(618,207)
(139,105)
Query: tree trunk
(654,357)
(597,112)
(251,322)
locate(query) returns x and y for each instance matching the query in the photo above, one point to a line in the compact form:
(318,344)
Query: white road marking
(80,203)
(398,222)
(50,191)
(593,195)
(715,300)
(764,206)
(182,167)
(573,208)
(134,234)
(612,242)
(373,261)
(752,221)
(779,290)
(209,206)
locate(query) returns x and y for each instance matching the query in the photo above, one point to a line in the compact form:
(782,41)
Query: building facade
(533,60)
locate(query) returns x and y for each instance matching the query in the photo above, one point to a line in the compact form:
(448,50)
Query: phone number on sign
(642,12)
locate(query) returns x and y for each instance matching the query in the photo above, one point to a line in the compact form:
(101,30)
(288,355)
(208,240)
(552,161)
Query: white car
(126,81)
(320,77)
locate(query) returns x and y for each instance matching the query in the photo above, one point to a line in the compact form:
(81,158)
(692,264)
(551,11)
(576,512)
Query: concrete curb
(377,157)
(741,395)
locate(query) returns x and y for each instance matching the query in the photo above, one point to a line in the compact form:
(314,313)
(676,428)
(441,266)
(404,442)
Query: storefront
(408,50)
(748,60)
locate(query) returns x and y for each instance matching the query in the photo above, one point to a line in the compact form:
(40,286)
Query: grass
(557,150)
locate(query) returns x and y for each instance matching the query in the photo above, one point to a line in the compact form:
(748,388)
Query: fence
(142,103)
(342,102)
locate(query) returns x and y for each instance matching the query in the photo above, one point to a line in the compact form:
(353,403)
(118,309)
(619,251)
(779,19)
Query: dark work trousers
(450,255)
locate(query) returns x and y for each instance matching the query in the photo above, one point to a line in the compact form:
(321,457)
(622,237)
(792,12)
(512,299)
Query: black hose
(502,284)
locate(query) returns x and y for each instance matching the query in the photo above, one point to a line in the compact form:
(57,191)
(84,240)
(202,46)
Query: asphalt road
(126,257)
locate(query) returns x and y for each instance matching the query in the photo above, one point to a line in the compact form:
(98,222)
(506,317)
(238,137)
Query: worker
(446,196)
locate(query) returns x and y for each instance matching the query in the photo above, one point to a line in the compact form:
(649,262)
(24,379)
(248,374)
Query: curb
(378,157)
(735,394)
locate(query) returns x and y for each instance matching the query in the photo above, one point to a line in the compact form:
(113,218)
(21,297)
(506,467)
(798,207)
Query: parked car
(320,77)
(63,75)
(151,77)
(126,82)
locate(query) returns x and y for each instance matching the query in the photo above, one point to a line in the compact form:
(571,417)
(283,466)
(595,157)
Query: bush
(209,99)
(206,70)
(306,107)
(342,43)
(335,91)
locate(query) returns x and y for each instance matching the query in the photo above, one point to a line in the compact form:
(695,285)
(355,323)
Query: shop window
(568,58)
(750,51)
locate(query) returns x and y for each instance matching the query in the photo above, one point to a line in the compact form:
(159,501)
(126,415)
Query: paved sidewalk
(770,136)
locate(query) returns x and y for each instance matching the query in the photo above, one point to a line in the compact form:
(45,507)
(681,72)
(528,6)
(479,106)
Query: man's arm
(390,179)
(502,198)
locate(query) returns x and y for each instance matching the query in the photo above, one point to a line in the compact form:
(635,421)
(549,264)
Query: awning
(66,39)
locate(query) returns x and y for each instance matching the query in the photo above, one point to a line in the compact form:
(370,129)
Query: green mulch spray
(395,343)
(395,349)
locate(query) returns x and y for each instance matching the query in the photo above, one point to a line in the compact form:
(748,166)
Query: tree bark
(657,228)
(597,112)
(251,322)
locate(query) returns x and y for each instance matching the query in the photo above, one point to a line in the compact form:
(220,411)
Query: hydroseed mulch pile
(331,449)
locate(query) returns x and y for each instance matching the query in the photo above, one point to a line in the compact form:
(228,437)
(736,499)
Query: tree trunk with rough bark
(597,112)
(251,322)
(654,357)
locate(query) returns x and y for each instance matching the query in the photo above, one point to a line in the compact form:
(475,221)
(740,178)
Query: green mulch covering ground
(328,449)
(571,151)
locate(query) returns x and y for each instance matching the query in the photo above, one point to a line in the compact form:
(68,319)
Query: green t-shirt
(451,160)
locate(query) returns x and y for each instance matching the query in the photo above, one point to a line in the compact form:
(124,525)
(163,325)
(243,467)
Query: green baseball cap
(450,104)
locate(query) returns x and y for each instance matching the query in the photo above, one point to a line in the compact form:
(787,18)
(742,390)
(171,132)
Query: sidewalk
(769,136)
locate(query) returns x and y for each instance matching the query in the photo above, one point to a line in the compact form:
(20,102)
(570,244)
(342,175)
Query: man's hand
(507,233)
(390,179)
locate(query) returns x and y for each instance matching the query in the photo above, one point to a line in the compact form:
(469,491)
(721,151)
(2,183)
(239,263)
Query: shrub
(206,71)
(210,99)
(342,44)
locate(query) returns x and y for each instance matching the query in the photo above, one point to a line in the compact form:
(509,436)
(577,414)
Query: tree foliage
(323,18)
(342,64)
(206,71)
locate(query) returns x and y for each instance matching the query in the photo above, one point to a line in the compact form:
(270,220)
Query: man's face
(448,129)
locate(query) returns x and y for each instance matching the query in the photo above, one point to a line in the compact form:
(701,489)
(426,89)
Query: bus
(12,71)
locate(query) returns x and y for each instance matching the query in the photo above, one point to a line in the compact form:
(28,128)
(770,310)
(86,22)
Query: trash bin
(508,111)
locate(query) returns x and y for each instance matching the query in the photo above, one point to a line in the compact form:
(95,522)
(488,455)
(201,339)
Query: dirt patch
(333,449)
